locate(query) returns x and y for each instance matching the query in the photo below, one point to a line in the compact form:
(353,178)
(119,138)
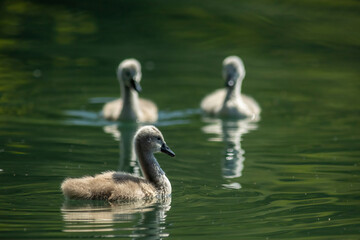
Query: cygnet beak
(231,80)
(136,85)
(167,150)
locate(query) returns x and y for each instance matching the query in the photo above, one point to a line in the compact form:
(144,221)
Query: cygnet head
(129,74)
(233,69)
(150,139)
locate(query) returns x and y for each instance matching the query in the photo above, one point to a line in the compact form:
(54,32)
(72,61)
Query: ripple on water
(137,219)
(91,118)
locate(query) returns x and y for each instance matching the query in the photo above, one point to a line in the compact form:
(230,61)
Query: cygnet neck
(149,165)
(131,107)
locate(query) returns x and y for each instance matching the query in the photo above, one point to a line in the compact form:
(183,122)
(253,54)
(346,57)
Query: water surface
(293,174)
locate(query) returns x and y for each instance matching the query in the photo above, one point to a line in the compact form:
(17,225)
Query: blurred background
(293,174)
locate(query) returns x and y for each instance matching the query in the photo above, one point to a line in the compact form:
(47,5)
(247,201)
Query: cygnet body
(120,186)
(229,102)
(130,107)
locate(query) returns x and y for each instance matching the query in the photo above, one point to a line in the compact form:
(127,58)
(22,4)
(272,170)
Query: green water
(293,175)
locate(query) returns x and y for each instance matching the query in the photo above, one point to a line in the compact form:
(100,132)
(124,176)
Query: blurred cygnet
(130,107)
(229,102)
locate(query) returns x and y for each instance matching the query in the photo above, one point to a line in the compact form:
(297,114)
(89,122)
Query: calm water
(294,174)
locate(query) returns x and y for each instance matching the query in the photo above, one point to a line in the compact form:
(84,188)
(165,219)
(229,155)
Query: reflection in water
(138,219)
(230,132)
(124,133)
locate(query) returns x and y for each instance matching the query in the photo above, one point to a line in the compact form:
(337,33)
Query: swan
(229,102)
(130,107)
(120,186)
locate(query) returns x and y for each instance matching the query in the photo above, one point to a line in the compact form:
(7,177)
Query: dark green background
(301,176)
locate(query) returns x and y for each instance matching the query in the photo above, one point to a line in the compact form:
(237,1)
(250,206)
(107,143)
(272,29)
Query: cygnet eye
(127,73)
(158,138)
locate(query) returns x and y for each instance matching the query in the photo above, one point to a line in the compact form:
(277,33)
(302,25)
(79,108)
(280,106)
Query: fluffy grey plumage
(115,186)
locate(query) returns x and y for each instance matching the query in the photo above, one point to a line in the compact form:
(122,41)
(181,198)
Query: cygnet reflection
(136,219)
(230,132)
(124,134)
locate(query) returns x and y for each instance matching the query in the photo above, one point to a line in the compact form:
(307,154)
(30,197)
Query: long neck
(149,166)
(130,109)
